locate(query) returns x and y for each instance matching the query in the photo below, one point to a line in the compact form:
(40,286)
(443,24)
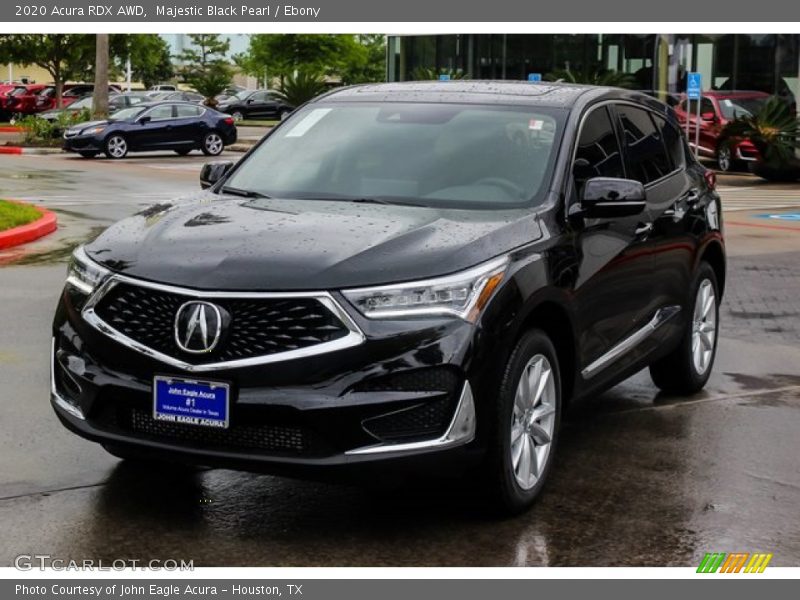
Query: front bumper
(83,143)
(409,390)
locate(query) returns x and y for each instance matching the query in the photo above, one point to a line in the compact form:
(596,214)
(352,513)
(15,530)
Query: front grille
(261,437)
(258,326)
(416,422)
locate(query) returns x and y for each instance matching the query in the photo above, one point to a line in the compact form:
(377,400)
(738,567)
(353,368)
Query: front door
(615,265)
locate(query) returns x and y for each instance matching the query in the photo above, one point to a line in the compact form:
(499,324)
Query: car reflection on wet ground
(640,479)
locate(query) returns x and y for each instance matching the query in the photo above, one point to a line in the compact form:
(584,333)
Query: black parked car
(178,126)
(260,104)
(413,276)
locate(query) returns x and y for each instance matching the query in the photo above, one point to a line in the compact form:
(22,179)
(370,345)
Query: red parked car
(717,109)
(22,99)
(71,92)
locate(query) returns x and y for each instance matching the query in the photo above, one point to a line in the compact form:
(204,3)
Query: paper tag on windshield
(311,119)
(535,124)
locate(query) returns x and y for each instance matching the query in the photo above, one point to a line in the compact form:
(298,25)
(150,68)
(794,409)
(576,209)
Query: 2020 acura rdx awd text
(415,275)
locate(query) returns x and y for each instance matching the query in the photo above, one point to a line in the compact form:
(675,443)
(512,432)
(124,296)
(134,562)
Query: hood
(229,243)
(88,124)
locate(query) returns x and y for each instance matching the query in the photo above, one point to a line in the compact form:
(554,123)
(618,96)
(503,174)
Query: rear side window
(646,156)
(673,142)
(598,153)
(188,111)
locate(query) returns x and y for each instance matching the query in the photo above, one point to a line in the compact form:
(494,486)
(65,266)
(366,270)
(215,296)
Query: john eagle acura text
(409,276)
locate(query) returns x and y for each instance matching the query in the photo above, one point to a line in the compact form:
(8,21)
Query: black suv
(418,274)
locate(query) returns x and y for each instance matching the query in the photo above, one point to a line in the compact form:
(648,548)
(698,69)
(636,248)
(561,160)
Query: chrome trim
(55,397)
(460,431)
(353,338)
(662,316)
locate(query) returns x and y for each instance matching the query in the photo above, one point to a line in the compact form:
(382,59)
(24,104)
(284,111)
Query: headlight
(84,274)
(462,295)
(92,130)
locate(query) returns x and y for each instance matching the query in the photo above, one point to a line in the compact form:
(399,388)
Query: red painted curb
(10,129)
(10,149)
(47,223)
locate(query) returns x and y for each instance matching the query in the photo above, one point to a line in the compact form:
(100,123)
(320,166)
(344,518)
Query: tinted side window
(646,157)
(159,113)
(259,97)
(673,142)
(598,153)
(188,111)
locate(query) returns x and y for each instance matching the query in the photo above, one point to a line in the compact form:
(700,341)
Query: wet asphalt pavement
(640,479)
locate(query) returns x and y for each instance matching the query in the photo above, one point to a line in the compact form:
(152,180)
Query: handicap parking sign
(534,76)
(694,85)
(444,77)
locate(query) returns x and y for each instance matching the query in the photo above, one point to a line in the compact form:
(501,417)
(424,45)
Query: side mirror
(212,172)
(145,120)
(250,101)
(606,197)
(709,117)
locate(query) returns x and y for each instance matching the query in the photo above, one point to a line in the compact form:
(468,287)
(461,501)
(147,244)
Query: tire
(726,163)
(88,154)
(285,112)
(183,151)
(212,144)
(237,115)
(687,368)
(513,487)
(116,146)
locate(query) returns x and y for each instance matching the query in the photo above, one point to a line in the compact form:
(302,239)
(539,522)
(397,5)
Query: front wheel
(237,115)
(526,423)
(725,160)
(116,146)
(212,144)
(687,369)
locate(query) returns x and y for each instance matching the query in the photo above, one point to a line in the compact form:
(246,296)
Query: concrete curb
(15,236)
(28,150)
(239,147)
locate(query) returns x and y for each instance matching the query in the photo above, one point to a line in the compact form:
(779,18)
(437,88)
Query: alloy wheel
(117,146)
(214,144)
(724,159)
(704,326)
(237,116)
(533,421)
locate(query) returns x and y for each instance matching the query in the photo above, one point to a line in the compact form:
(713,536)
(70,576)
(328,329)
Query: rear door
(188,127)
(615,272)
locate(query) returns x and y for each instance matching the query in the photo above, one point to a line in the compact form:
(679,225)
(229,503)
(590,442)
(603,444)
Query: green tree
(284,54)
(205,66)
(151,62)
(64,56)
(298,88)
(366,61)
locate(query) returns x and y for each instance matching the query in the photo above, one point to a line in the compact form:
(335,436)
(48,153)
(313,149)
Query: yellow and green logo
(735,562)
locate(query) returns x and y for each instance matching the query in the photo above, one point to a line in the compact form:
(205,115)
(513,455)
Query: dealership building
(766,62)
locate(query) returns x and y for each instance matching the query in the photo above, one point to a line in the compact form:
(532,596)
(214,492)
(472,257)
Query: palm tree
(773,130)
(300,87)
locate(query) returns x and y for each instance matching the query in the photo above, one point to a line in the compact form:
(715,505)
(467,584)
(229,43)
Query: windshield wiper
(374,200)
(243,193)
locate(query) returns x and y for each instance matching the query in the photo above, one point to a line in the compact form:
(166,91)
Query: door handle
(643,230)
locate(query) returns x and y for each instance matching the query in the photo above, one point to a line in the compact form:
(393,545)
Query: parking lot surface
(641,478)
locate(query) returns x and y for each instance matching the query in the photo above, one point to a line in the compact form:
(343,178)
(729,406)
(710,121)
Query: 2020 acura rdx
(416,275)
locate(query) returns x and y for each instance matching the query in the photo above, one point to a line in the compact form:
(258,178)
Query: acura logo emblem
(198,326)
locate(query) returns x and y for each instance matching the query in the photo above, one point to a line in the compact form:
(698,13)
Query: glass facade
(765,62)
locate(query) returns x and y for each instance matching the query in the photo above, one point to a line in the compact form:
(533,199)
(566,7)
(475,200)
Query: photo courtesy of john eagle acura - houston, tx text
(417,277)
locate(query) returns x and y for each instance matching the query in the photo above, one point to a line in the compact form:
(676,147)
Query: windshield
(82,103)
(242,95)
(126,113)
(449,155)
(741,107)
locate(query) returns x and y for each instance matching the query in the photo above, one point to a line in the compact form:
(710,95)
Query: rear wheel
(525,430)
(116,146)
(687,369)
(212,144)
